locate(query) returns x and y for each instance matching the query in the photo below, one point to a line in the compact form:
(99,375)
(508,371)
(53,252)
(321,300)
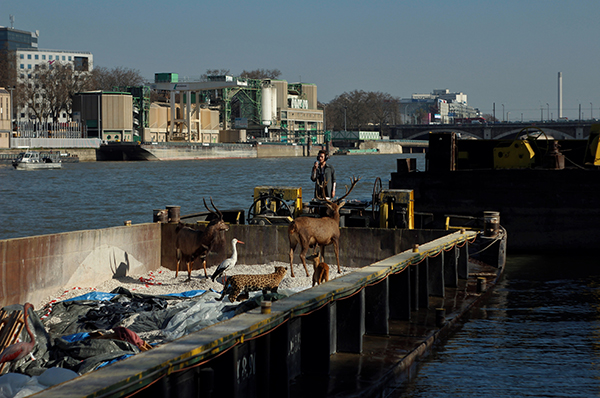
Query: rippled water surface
(538,336)
(90,195)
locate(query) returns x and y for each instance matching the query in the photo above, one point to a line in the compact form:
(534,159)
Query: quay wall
(34,268)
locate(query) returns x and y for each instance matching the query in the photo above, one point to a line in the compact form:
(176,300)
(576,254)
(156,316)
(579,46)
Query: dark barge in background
(546,190)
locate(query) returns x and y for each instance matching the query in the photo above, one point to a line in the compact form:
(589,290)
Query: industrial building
(267,109)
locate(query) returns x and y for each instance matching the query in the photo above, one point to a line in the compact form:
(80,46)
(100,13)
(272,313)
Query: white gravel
(163,281)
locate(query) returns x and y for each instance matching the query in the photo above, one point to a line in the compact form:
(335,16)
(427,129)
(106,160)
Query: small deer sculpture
(192,244)
(320,268)
(324,231)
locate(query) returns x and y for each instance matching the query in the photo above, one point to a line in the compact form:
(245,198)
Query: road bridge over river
(558,130)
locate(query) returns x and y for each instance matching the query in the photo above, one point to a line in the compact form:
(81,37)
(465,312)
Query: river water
(538,335)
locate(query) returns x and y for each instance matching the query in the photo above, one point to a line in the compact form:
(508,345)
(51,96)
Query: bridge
(557,130)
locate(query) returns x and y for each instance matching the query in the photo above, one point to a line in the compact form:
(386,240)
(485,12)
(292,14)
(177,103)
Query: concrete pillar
(400,295)
(377,307)
(450,267)
(436,275)
(351,323)
(463,261)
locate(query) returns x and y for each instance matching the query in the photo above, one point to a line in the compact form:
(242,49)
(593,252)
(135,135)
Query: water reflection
(536,336)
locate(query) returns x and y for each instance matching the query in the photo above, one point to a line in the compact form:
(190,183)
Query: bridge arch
(550,133)
(425,133)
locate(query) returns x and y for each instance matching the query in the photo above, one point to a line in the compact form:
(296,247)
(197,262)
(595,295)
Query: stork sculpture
(227,263)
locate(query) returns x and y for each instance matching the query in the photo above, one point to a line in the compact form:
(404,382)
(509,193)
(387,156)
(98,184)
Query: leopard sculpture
(238,286)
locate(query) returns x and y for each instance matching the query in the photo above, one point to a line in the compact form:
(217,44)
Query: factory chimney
(560,95)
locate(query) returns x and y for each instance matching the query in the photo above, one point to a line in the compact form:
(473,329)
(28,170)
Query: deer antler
(323,192)
(217,213)
(353,181)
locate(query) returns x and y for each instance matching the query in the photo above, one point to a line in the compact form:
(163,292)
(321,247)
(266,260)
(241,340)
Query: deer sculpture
(324,231)
(192,244)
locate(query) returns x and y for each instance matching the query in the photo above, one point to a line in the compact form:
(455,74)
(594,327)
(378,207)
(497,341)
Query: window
(28,56)
(28,66)
(22,56)
(37,56)
(69,57)
(50,57)
(43,57)
(63,57)
(22,66)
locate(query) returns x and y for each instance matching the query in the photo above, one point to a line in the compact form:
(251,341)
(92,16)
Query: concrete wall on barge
(35,268)
(264,244)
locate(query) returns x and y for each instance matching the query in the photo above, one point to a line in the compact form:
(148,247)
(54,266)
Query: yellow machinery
(270,207)
(592,154)
(516,155)
(397,208)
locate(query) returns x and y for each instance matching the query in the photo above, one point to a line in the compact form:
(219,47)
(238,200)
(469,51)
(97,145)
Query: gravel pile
(163,281)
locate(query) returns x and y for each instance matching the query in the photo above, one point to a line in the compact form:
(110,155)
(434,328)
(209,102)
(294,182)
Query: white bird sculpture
(227,263)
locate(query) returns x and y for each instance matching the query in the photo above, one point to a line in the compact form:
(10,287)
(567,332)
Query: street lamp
(508,116)
(591,116)
(548,111)
(345,107)
(503,113)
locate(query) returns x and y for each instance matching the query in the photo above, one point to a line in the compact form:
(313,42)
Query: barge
(409,290)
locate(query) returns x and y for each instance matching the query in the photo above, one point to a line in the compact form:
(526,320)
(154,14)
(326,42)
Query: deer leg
(303,257)
(336,247)
(177,269)
(189,269)
(292,260)
(204,266)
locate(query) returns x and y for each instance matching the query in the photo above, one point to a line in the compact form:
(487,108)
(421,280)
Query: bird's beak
(239,241)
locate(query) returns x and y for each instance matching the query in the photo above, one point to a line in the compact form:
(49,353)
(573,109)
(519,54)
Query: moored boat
(34,160)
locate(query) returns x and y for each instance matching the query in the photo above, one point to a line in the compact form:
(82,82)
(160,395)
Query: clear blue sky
(504,52)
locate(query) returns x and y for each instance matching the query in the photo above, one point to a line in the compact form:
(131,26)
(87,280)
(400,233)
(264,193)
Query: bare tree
(261,74)
(108,79)
(49,90)
(360,110)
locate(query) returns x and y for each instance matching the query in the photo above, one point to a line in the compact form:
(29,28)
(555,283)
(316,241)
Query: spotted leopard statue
(238,286)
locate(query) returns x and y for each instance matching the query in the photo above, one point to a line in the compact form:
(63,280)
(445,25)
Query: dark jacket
(320,175)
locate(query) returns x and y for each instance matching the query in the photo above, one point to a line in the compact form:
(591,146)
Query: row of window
(56,57)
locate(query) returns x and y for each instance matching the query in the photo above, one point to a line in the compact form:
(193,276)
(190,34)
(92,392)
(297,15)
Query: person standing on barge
(322,172)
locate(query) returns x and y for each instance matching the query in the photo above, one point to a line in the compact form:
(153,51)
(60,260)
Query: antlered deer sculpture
(324,231)
(191,243)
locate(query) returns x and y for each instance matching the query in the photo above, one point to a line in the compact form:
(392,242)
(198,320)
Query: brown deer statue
(191,243)
(320,268)
(324,231)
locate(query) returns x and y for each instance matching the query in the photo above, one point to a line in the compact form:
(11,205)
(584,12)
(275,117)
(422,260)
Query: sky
(503,54)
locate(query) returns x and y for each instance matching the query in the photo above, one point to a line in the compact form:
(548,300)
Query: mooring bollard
(127,223)
(440,317)
(174,213)
(480,284)
(491,223)
(415,248)
(265,307)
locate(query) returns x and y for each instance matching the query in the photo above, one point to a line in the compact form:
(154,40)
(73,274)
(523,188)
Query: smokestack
(559,95)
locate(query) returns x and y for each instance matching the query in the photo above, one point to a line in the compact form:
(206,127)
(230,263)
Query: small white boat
(34,160)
